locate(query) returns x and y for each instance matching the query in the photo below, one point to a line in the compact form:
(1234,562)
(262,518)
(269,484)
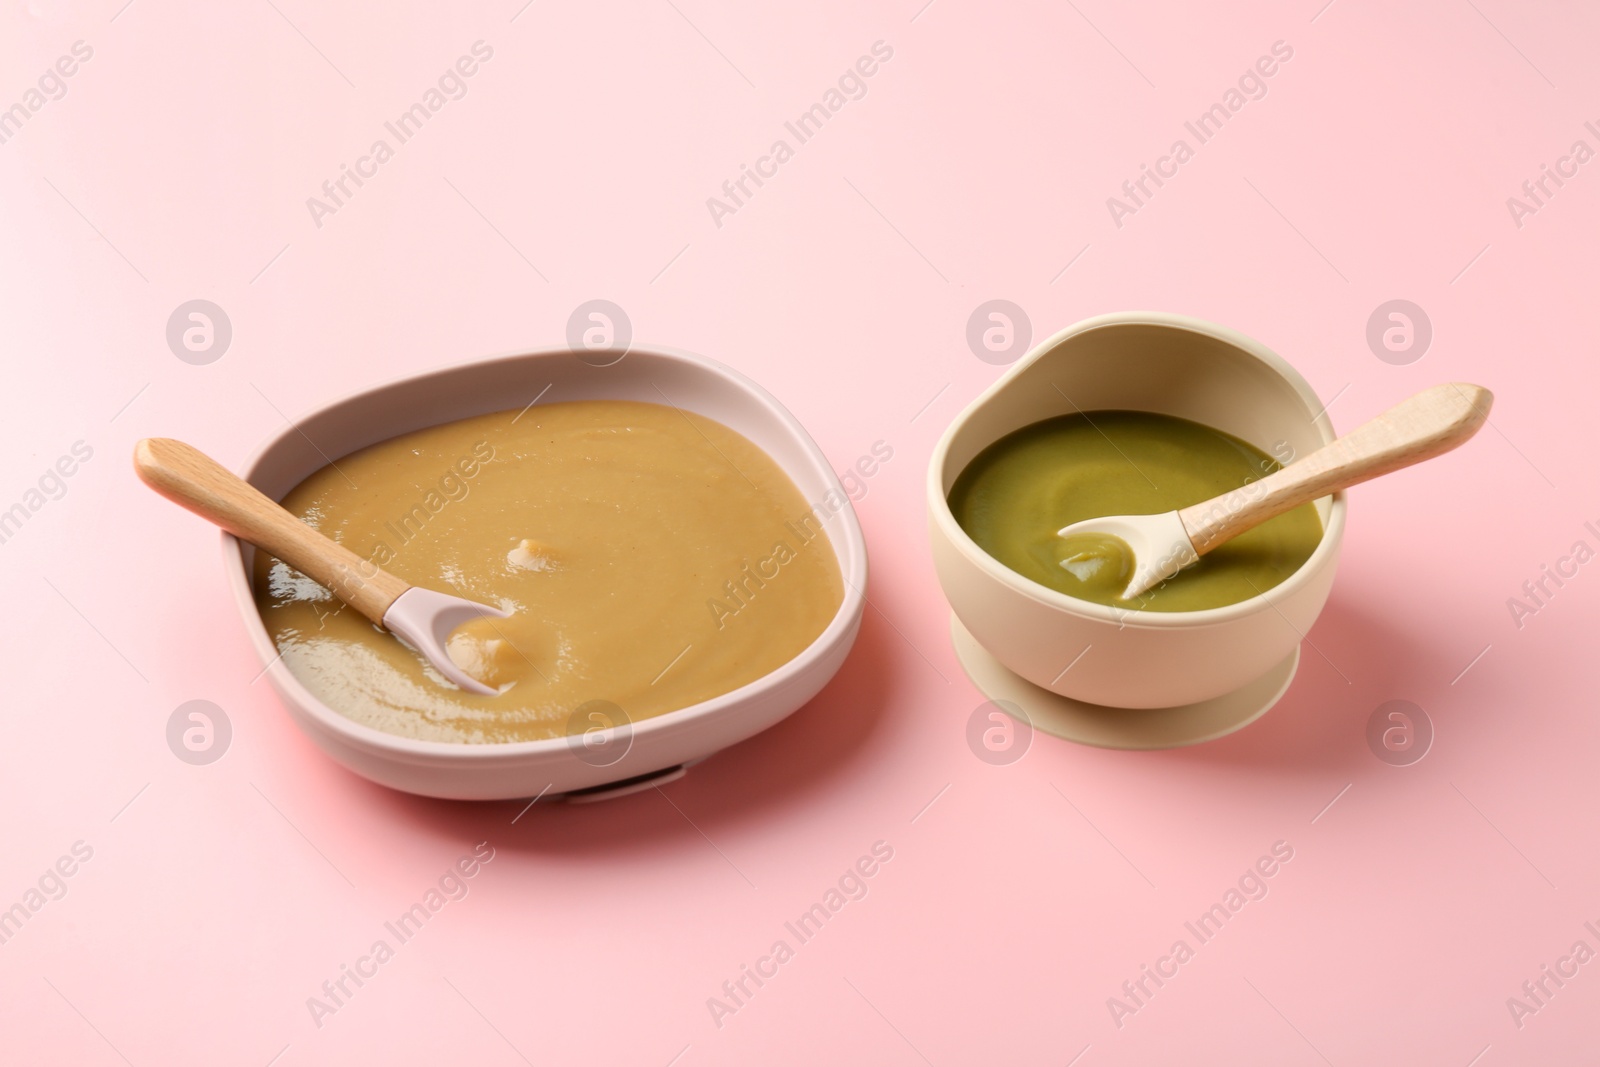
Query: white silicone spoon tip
(1159,543)
(426,619)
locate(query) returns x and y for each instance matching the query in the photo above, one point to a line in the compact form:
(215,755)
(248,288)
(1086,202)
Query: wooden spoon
(423,617)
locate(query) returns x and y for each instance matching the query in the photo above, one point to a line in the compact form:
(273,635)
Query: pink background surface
(220,897)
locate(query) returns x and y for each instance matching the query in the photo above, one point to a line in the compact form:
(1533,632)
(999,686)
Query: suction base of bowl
(626,787)
(1127,728)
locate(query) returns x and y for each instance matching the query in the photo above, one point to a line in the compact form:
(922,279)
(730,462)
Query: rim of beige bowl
(1332,533)
(426,752)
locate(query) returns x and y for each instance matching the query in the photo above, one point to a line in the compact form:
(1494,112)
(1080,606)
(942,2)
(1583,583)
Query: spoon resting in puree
(1157,547)
(1045,500)
(1014,496)
(423,617)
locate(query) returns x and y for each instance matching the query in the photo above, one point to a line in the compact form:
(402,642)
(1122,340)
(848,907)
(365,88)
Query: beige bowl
(1143,361)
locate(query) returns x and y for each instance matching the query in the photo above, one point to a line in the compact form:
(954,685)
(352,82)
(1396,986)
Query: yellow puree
(650,558)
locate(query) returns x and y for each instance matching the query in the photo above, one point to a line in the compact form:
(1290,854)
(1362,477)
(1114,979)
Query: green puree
(1015,495)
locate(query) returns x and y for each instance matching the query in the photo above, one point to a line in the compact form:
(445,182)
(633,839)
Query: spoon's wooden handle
(187,476)
(1428,424)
